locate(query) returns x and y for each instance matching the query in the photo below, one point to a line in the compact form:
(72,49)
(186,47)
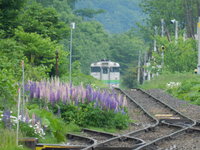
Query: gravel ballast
(189,110)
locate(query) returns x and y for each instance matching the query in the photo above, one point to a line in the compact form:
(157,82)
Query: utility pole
(148,71)
(162,28)
(57,74)
(198,34)
(72,26)
(155,43)
(162,35)
(176,31)
(18,112)
(144,72)
(139,62)
(23,91)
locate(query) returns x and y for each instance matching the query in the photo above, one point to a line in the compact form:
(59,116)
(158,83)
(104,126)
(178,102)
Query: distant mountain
(120,15)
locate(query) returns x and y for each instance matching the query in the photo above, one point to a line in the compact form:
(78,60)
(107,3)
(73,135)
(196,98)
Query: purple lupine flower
(113,105)
(27,118)
(96,104)
(76,101)
(58,97)
(64,99)
(83,96)
(54,90)
(6,118)
(27,87)
(31,91)
(52,97)
(37,92)
(95,95)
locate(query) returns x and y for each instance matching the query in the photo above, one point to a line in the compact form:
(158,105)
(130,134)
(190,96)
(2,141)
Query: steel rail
(184,128)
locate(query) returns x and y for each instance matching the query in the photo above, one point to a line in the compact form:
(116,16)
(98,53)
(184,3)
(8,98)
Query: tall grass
(160,82)
(8,140)
(185,86)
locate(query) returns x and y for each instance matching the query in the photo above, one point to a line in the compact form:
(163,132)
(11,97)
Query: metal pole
(72,26)
(18,111)
(144,72)
(162,35)
(162,28)
(148,71)
(198,33)
(176,31)
(57,63)
(138,76)
(23,101)
(154,47)
(70,60)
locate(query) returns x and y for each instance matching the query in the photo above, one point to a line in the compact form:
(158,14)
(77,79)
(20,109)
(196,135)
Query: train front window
(105,70)
(95,69)
(114,69)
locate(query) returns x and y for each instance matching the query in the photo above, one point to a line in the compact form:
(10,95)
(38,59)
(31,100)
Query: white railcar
(107,71)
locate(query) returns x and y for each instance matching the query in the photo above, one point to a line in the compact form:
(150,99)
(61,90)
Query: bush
(88,115)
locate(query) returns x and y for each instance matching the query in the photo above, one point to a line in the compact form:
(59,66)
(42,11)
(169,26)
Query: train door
(114,76)
(105,75)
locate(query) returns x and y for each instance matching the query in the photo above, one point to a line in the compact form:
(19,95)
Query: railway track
(157,108)
(98,136)
(155,132)
(155,122)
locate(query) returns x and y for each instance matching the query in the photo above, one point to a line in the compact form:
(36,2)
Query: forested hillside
(118,16)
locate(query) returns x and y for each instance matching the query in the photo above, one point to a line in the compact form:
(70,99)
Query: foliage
(88,114)
(44,21)
(190,90)
(161,81)
(8,142)
(185,86)
(129,79)
(180,56)
(55,127)
(27,130)
(9,10)
(39,51)
(7,88)
(10,58)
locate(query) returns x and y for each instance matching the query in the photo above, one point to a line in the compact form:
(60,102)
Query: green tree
(44,21)
(38,50)
(9,10)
